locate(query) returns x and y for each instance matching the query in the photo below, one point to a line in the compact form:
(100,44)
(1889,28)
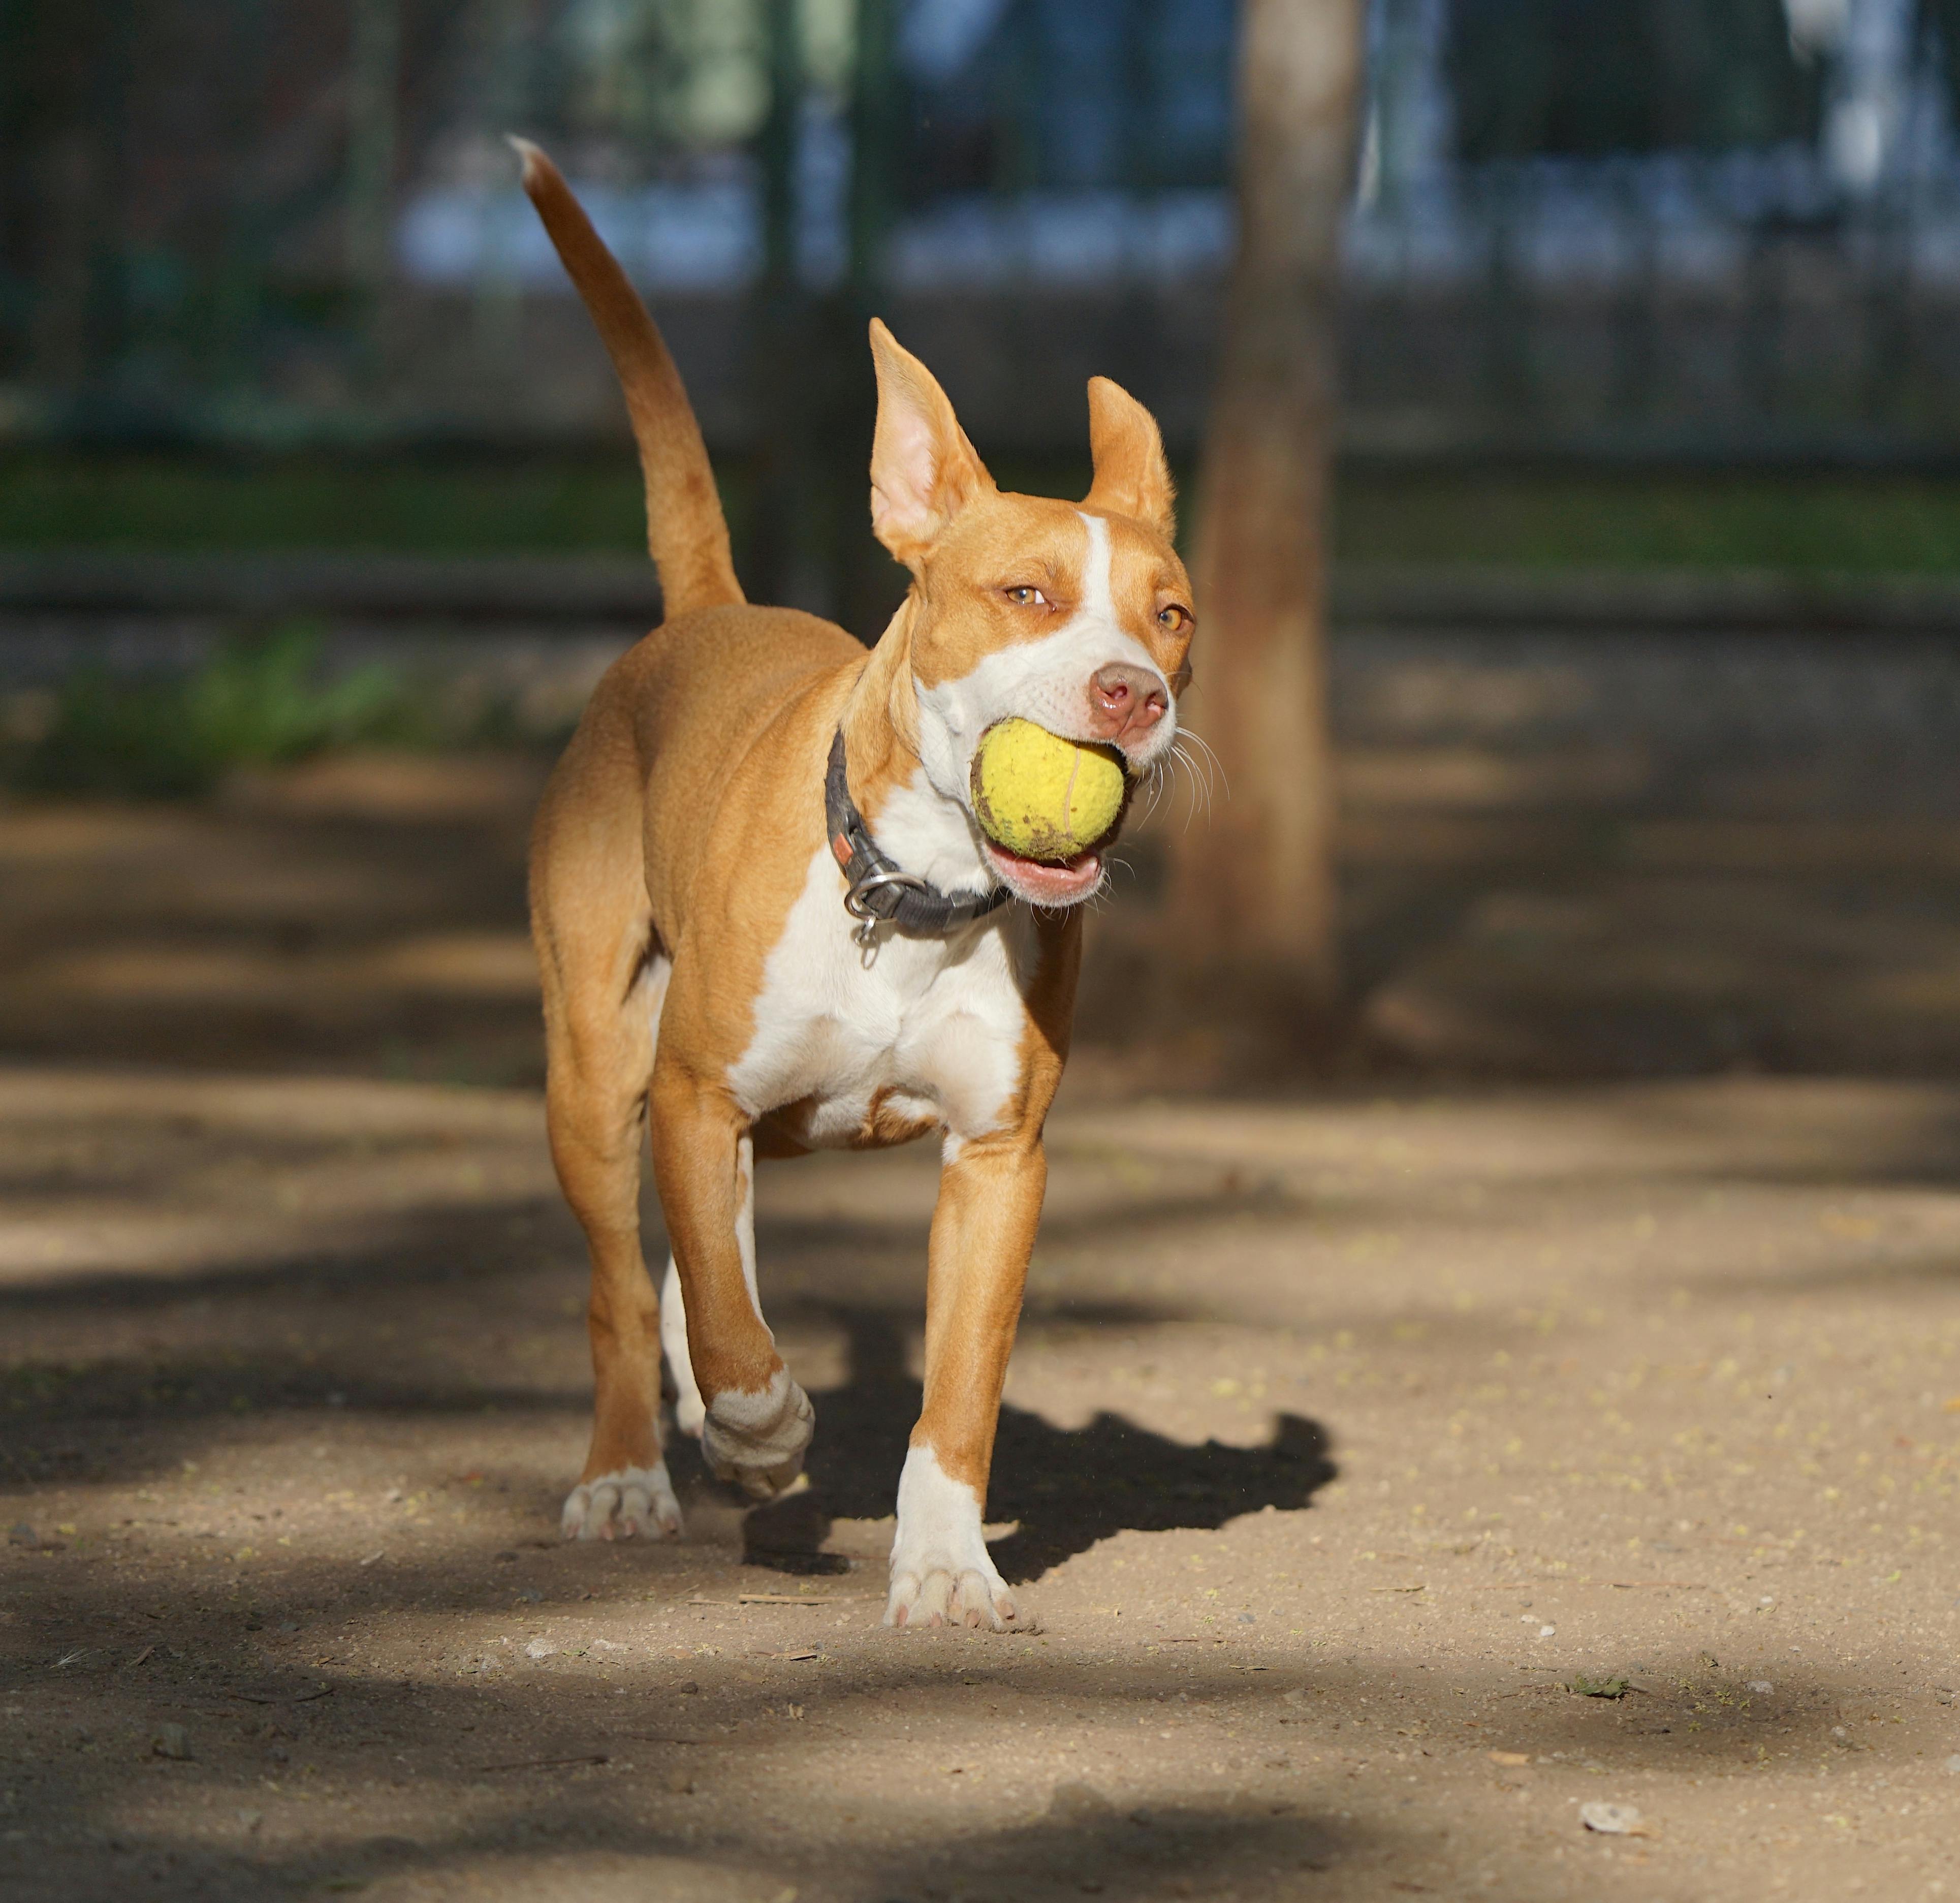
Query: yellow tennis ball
(1041,796)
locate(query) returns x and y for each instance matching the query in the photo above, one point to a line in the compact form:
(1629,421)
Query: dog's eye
(1025,597)
(1173,620)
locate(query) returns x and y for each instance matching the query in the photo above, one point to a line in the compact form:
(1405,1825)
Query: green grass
(1852,524)
(566,505)
(403,506)
(264,700)
(260,701)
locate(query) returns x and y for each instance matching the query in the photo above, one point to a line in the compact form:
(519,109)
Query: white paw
(941,1597)
(941,1572)
(690,1411)
(757,1440)
(636,1501)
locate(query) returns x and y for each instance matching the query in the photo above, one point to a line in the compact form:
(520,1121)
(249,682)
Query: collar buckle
(880,892)
(859,907)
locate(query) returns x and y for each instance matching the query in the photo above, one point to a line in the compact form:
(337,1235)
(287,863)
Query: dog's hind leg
(595,1107)
(603,982)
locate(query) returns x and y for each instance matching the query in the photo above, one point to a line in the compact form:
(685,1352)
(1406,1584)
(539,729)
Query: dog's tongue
(1049,882)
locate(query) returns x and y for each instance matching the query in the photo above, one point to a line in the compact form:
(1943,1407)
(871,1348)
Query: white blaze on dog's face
(1077,619)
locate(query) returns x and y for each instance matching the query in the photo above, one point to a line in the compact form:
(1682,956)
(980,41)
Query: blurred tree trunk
(1252,890)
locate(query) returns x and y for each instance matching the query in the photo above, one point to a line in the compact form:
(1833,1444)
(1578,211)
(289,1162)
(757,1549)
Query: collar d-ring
(878,890)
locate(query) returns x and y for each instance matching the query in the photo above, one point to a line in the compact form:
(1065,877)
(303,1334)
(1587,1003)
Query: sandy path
(1342,1437)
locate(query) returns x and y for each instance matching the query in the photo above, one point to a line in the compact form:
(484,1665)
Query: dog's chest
(923,1032)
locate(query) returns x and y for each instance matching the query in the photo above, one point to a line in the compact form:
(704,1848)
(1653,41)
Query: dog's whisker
(1214,775)
(1199,768)
(1178,771)
(1199,777)
(1213,763)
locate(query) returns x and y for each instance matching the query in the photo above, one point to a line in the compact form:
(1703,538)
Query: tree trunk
(1252,889)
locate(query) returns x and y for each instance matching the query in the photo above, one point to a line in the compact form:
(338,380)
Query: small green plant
(1587,1687)
(260,700)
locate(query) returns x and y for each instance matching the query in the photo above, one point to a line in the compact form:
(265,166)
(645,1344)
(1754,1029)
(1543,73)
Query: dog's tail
(686,533)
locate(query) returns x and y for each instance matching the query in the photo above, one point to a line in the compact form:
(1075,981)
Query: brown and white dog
(703,975)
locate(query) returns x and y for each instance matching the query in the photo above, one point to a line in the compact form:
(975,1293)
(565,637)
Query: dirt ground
(1392,1475)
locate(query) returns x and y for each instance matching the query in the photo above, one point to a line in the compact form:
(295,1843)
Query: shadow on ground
(543,1782)
(1067,1487)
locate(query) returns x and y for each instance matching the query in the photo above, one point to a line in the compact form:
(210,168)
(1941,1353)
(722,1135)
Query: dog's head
(1077,618)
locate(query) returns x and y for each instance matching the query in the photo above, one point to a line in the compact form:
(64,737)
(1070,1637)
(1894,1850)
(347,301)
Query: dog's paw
(690,1414)
(942,1574)
(636,1502)
(943,1597)
(757,1440)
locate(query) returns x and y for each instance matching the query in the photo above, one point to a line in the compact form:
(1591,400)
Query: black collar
(880,892)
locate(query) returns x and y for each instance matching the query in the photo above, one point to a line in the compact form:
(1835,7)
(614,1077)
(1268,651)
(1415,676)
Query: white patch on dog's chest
(930,1029)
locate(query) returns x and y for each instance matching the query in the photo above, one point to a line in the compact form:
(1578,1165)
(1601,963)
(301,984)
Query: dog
(767,921)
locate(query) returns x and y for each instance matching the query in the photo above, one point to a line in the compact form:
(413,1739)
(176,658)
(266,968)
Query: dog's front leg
(758,1421)
(983,1232)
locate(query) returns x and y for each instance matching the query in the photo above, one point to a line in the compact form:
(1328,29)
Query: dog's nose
(1125,700)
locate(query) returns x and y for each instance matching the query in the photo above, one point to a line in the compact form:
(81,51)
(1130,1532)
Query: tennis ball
(1041,796)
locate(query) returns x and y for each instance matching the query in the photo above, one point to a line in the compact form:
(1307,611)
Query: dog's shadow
(1067,1487)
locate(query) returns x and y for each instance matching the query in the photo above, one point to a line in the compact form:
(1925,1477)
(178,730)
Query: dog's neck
(923,828)
(881,718)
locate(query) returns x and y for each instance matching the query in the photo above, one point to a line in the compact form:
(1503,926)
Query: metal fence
(284,220)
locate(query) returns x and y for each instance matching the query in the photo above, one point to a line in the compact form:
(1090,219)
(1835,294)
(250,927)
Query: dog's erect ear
(1131,477)
(924,470)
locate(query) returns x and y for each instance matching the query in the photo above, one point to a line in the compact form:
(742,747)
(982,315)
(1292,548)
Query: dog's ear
(1131,477)
(924,470)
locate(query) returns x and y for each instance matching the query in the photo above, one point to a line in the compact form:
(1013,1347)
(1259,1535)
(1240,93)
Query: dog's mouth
(1049,882)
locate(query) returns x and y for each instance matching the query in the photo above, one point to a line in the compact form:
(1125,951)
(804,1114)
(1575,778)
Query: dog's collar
(880,892)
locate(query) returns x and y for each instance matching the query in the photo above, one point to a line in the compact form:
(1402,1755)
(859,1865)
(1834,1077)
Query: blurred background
(1564,399)
(318,516)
